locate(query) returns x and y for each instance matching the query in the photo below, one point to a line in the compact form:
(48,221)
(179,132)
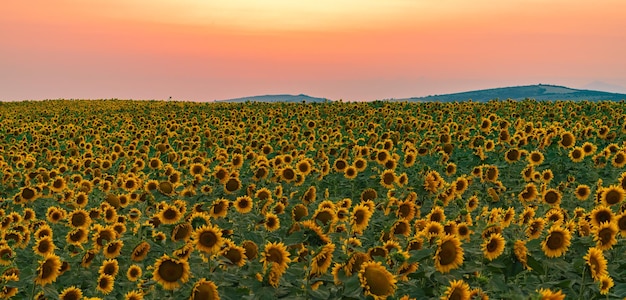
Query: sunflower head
(376,280)
(170,273)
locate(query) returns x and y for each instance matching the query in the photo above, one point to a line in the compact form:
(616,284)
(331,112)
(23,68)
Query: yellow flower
(71,293)
(604,235)
(49,269)
(605,283)
(557,241)
(208,239)
(449,254)
(458,289)
(547,294)
(322,260)
(170,273)
(105,284)
(597,263)
(360,218)
(204,290)
(493,246)
(376,280)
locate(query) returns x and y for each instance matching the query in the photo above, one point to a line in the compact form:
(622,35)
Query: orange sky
(349,49)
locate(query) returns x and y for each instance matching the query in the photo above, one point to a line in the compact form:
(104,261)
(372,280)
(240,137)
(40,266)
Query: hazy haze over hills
(538,92)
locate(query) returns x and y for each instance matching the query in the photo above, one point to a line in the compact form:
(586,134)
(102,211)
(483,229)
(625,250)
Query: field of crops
(115,199)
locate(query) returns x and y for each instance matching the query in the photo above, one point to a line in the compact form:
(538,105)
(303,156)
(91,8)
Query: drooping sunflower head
(597,263)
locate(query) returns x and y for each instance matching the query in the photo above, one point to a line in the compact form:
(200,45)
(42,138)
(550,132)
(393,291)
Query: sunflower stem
(582,284)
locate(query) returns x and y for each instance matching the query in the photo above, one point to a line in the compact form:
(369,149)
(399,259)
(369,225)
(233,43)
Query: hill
(538,92)
(277,98)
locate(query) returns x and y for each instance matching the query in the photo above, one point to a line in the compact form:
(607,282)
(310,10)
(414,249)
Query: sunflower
(79,218)
(113,249)
(134,295)
(401,227)
(140,251)
(350,172)
(109,267)
(208,239)
(49,269)
(360,218)
(612,195)
(601,214)
(557,241)
(535,158)
(322,260)
(604,235)
(449,254)
(88,257)
(406,210)
(567,140)
(325,216)
(376,280)
(6,255)
(134,272)
(71,293)
(577,154)
(252,249)
(28,193)
(272,222)
(458,289)
(105,284)
(169,214)
(166,188)
(619,159)
(605,283)
(235,254)
(204,290)
(472,203)
(387,179)
(547,294)
(243,204)
(436,214)
(596,262)
(219,208)
(182,232)
(170,272)
(433,181)
(582,192)
(535,227)
(512,155)
(275,254)
(521,253)
(58,185)
(493,246)
(44,246)
(552,197)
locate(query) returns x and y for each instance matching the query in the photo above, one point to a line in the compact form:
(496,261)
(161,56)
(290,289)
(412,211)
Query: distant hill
(277,98)
(538,92)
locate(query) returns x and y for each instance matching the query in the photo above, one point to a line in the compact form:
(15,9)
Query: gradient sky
(203,50)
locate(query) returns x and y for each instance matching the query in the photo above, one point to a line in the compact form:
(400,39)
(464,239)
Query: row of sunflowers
(122,199)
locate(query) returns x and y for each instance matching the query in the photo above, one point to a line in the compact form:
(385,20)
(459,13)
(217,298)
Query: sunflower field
(122,199)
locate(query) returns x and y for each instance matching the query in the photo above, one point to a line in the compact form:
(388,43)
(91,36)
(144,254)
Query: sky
(355,50)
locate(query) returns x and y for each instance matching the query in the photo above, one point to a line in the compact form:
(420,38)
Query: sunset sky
(202,50)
